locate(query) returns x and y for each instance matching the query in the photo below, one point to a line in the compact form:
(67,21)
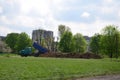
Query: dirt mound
(90,55)
(86,55)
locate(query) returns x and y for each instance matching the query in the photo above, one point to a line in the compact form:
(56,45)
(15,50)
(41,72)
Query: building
(43,37)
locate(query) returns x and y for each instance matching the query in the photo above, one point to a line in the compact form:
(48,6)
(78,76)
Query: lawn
(32,68)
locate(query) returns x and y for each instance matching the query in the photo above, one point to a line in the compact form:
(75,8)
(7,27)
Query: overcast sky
(82,16)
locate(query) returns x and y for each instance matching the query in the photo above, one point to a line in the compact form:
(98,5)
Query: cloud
(106,10)
(108,1)
(89,29)
(5,30)
(31,13)
(1,10)
(119,14)
(85,14)
(40,6)
(22,20)
(86,17)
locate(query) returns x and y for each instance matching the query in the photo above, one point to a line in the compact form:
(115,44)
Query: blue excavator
(28,51)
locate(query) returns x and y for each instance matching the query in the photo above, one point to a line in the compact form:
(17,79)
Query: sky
(82,16)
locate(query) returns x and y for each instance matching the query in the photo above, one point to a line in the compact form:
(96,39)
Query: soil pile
(86,55)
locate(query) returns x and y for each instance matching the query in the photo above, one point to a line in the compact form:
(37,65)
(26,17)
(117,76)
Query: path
(107,77)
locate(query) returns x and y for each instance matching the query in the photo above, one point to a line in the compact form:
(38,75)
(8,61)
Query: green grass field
(32,68)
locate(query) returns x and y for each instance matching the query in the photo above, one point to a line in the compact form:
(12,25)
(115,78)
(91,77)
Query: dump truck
(28,51)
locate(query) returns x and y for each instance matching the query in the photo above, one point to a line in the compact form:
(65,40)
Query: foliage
(4,47)
(79,43)
(95,44)
(66,39)
(111,41)
(30,68)
(62,29)
(66,42)
(11,40)
(70,43)
(23,41)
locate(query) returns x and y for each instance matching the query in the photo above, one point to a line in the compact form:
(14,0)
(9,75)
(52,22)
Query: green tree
(23,41)
(95,44)
(111,41)
(117,43)
(11,40)
(66,42)
(79,43)
(62,29)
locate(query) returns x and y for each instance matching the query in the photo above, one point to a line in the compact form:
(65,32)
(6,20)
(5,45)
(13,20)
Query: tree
(23,41)
(4,47)
(62,29)
(66,42)
(111,41)
(117,44)
(95,43)
(11,40)
(79,43)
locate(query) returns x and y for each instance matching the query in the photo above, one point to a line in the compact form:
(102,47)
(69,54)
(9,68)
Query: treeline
(18,41)
(105,43)
(69,42)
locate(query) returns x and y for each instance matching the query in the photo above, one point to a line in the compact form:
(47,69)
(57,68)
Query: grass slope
(31,68)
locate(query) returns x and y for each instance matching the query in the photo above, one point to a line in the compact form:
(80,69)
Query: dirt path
(107,77)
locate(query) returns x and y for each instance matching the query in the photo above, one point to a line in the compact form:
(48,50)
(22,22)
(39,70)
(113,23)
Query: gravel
(106,77)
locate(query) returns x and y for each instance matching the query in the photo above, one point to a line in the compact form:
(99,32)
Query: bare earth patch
(107,77)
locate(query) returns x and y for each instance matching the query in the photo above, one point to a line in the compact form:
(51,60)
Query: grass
(8,54)
(31,68)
